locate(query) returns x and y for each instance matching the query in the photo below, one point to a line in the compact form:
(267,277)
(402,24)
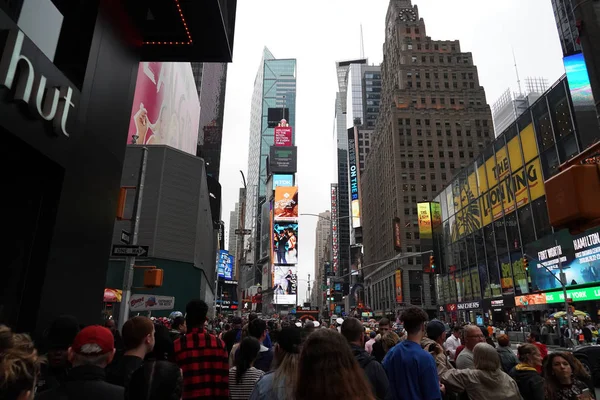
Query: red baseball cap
(93,340)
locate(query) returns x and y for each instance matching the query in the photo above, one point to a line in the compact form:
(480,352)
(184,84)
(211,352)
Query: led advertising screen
(222,258)
(285,284)
(579,256)
(424,216)
(356,259)
(354,177)
(579,81)
(165,109)
(397,234)
(283,180)
(285,242)
(283,160)
(398,285)
(283,136)
(265,229)
(335,257)
(286,203)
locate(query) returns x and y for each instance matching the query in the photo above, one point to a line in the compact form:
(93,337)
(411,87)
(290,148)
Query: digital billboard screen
(356,259)
(283,160)
(166,109)
(354,177)
(222,259)
(424,217)
(579,256)
(397,234)
(285,242)
(579,81)
(286,203)
(285,284)
(335,258)
(275,115)
(283,180)
(282,136)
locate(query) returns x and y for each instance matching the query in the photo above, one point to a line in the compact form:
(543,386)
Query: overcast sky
(319,33)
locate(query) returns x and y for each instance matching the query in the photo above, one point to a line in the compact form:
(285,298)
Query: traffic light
(525,264)
(432,263)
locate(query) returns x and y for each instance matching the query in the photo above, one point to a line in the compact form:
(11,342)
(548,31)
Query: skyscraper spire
(362,43)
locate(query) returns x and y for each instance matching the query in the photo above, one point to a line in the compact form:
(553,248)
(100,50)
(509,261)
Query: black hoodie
(531,384)
(374,371)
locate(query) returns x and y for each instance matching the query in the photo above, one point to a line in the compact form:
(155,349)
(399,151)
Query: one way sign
(127,251)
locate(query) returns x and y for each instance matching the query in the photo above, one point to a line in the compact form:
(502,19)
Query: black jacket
(86,382)
(378,351)
(531,384)
(374,371)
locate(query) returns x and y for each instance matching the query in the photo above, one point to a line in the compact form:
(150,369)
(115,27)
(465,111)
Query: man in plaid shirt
(202,357)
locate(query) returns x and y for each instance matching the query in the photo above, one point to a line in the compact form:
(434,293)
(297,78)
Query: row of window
(442,101)
(427,122)
(436,85)
(428,46)
(439,142)
(413,188)
(440,59)
(436,75)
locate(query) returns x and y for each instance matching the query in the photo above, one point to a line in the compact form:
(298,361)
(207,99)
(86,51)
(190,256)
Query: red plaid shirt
(205,365)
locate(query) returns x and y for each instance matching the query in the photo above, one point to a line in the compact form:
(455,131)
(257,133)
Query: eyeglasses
(477,336)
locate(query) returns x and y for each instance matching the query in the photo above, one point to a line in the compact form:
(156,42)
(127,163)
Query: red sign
(283,136)
(451,307)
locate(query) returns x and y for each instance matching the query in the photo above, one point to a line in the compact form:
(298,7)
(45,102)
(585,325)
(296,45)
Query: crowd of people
(188,357)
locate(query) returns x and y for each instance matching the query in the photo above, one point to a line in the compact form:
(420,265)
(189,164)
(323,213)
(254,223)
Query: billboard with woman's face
(285,243)
(285,284)
(165,109)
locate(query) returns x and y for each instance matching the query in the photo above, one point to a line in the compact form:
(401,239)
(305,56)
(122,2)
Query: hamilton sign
(47,100)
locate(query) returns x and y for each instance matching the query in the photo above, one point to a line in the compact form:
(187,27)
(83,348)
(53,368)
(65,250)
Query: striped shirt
(203,360)
(243,390)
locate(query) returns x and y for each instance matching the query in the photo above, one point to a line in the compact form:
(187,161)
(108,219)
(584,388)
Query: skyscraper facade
(234,222)
(321,241)
(566,24)
(274,95)
(434,120)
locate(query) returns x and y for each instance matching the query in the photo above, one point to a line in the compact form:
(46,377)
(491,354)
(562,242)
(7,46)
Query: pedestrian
(433,343)
(369,343)
(328,370)
(565,380)
(19,366)
(280,384)
(233,336)
(378,351)
(202,357)
(534,339)
(243,376)
(138,340)
(164,348)
(530,382)
(92,350)
(178,328)
(412,372)
(155,380)
(473,336)
(486,381)
(453,342)
(508,360)
(258,330)
(389,340)
(352,330)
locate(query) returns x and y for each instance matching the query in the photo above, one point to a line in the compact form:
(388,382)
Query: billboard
(225,265)
(397,234)
(285,242)
(286,203)
(579,81)
(165,109)
(398,285)
(283,136)
(335,257)
(578,255)
(502,183)
(585,294)
(283,180)
(354,177)
(150,302)
(424,215)
(265,229)
(356,259)
(283,160)
(285,284)
(275,115)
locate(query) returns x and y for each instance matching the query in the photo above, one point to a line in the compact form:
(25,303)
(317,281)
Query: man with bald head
(473,335)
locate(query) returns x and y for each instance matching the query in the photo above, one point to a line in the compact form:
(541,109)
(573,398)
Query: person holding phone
(566,378)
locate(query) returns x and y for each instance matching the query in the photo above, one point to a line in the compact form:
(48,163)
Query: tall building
(566,23)
(274,97)
(510,105)
(434,120)
(234,223)
(322,238)
(371,91)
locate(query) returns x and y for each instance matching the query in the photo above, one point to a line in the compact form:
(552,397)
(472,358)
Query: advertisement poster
(165,109)
(397,234)
(150,302)
(283,180)
(424,215)
(283,159)
(334,226)
(398,284)
(283,136)
(436,215)
(579,80)
(579,256)
(356,258)
(225,265)
(286,203)
(265,229)
(354,176)
(285,242)
(285,285)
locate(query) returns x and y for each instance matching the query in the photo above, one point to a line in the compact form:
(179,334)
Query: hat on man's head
(93,340)
(62,332)
(435,329)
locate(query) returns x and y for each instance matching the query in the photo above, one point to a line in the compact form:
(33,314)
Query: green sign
(592,293)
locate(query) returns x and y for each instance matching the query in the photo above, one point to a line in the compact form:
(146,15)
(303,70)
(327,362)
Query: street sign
(128,251)
(125,237)
(243,232)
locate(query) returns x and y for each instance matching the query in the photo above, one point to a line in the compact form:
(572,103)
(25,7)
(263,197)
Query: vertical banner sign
(398,280)
(354,178)
(283,136)
(397,234)
(334,228)
(436,215)
(424,214)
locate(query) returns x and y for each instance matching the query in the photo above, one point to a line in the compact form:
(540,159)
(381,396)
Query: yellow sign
(424,214)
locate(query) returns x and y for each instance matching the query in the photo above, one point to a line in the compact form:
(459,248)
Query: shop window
(506,276)
(540,217)
(494,275)
(526,224)
(484,281)
(520,281)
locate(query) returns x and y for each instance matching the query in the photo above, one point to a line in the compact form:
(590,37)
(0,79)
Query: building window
(434,188)
(441,154)
(409,235)
(431,164)
(443,176)
(423,187)
(442,165)
(429,143)
(432,176)
(406,211)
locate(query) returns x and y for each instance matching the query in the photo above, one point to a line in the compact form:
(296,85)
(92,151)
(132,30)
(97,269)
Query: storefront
(470,312)
(501,310)
(536,307)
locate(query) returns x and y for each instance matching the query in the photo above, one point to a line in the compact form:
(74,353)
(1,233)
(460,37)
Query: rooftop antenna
(362,43)
(517,72)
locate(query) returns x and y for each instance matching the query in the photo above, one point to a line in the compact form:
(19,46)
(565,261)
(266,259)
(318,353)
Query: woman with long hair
(531,384)
(280,383)
(19,366)
(155,380)
(243,376)
(566,378)
(486,381)
(327,369)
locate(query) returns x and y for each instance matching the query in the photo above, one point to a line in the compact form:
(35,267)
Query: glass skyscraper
(274,88)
